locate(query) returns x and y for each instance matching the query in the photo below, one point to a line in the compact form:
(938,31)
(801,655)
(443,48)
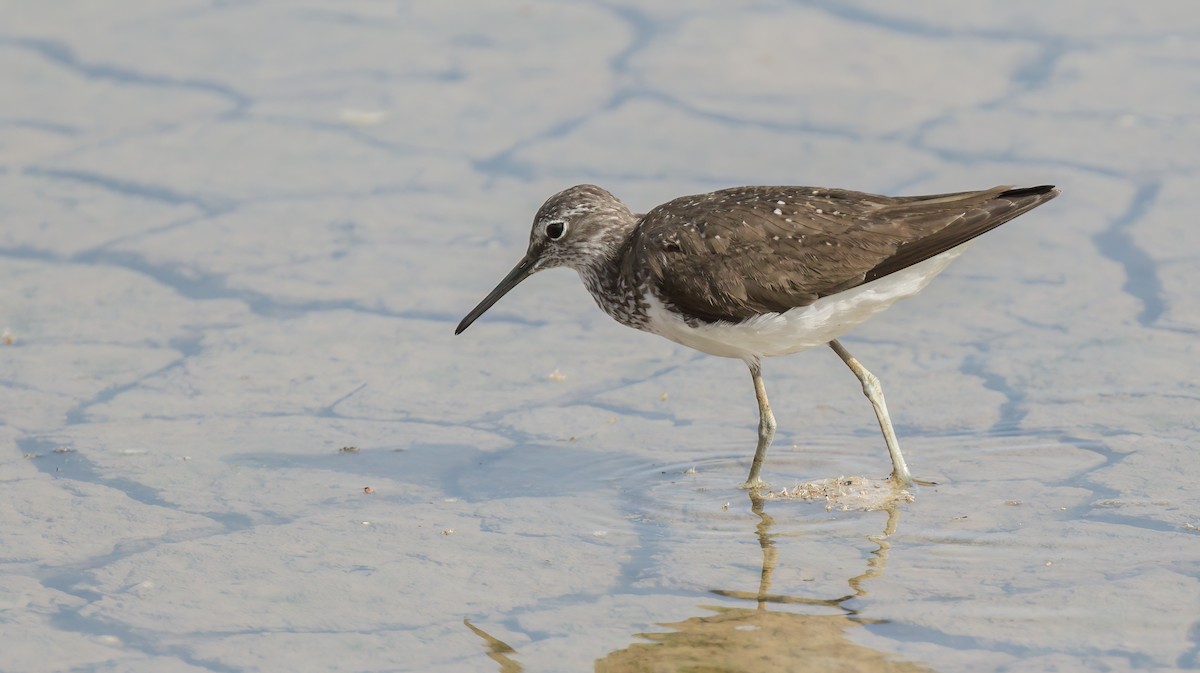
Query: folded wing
(736,253)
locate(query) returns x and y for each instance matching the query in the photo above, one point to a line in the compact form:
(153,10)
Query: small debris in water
(64,449)
(847,493)
(348,449)
(361,118)
(690,470)
(725,507)
(8,338)
(1012,503)
(663,397)
(32,455)
(556,376)
(368,489)
(448,531)
(612,420)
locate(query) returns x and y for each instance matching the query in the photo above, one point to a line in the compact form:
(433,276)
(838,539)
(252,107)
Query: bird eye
(555,230)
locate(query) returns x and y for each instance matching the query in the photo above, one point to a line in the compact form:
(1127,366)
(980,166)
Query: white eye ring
(556,230)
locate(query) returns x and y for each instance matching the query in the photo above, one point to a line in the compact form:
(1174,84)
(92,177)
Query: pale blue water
(236,238)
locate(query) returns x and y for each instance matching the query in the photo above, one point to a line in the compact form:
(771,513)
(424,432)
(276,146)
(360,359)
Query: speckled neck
(614,289)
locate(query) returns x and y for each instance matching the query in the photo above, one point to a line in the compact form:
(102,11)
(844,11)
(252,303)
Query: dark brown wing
(736,253)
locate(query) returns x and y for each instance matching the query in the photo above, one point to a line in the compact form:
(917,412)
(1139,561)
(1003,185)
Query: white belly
(800,328)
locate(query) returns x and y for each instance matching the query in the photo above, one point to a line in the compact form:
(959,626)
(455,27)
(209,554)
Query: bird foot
(908,481)
(754,484)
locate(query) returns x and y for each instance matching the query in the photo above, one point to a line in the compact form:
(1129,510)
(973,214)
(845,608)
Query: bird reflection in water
(498,650)
(733,639)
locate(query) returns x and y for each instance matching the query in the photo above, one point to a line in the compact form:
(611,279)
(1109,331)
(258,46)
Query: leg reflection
(769,636)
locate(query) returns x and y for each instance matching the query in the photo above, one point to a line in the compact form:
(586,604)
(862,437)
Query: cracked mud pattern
(235,238)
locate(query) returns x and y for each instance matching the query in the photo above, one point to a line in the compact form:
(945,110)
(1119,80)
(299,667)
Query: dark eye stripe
(555,230)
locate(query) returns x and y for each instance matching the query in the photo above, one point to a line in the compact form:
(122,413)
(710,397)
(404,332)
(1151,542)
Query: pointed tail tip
(1040,190)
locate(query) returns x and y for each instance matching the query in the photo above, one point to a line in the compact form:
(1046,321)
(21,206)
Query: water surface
(236,238)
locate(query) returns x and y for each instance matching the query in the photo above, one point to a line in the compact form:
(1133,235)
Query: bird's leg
(874,392)
(766,427)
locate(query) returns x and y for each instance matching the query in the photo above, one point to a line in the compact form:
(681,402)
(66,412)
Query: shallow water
(241,437)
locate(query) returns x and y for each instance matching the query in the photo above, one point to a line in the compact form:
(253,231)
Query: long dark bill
(520,272)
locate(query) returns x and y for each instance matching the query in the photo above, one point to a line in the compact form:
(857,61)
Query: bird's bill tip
(520,272)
